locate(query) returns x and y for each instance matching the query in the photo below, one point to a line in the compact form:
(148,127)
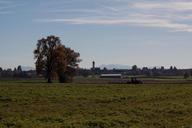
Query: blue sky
(128,32)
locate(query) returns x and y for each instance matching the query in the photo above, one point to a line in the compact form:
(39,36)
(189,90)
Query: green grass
(41,105)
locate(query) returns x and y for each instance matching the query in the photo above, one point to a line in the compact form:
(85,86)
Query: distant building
(111,76)
(95,70)
(93,66)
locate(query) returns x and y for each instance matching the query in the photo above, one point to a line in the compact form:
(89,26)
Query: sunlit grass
(42,105)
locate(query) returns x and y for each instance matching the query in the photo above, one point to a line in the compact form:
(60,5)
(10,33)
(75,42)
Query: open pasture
(40,105)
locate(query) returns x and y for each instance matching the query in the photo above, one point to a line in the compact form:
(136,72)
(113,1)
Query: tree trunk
(49,80)
(62,78)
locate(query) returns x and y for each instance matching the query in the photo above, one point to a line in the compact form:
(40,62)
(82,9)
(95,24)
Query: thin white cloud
(111,8)
(172,15)
(137,22)
(5,2)
(6,12)
(7,6)
(176,6)
(72,11)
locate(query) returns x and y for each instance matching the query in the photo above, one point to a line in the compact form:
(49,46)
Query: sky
(142,32)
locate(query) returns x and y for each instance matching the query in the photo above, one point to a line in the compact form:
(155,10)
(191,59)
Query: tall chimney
(93,65)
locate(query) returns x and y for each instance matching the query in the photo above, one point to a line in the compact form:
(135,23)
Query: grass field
(40,105)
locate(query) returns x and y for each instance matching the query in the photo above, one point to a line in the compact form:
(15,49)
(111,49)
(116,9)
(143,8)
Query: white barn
(111,76)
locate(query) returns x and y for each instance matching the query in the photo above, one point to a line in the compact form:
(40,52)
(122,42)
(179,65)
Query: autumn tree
(67,62)
(54,58)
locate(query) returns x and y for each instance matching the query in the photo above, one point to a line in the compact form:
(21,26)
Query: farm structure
(111,76)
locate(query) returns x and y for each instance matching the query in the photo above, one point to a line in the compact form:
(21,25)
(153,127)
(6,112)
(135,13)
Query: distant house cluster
(17,73)
(104,72)
(145,71)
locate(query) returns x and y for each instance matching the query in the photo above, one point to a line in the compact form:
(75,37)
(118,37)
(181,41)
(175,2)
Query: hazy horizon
(121,32)
(102,66)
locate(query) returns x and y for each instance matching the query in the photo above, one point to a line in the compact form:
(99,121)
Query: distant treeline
(135,71)
(17,73)
(150,72)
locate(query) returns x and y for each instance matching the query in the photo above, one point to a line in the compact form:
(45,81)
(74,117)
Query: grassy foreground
(39,105)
